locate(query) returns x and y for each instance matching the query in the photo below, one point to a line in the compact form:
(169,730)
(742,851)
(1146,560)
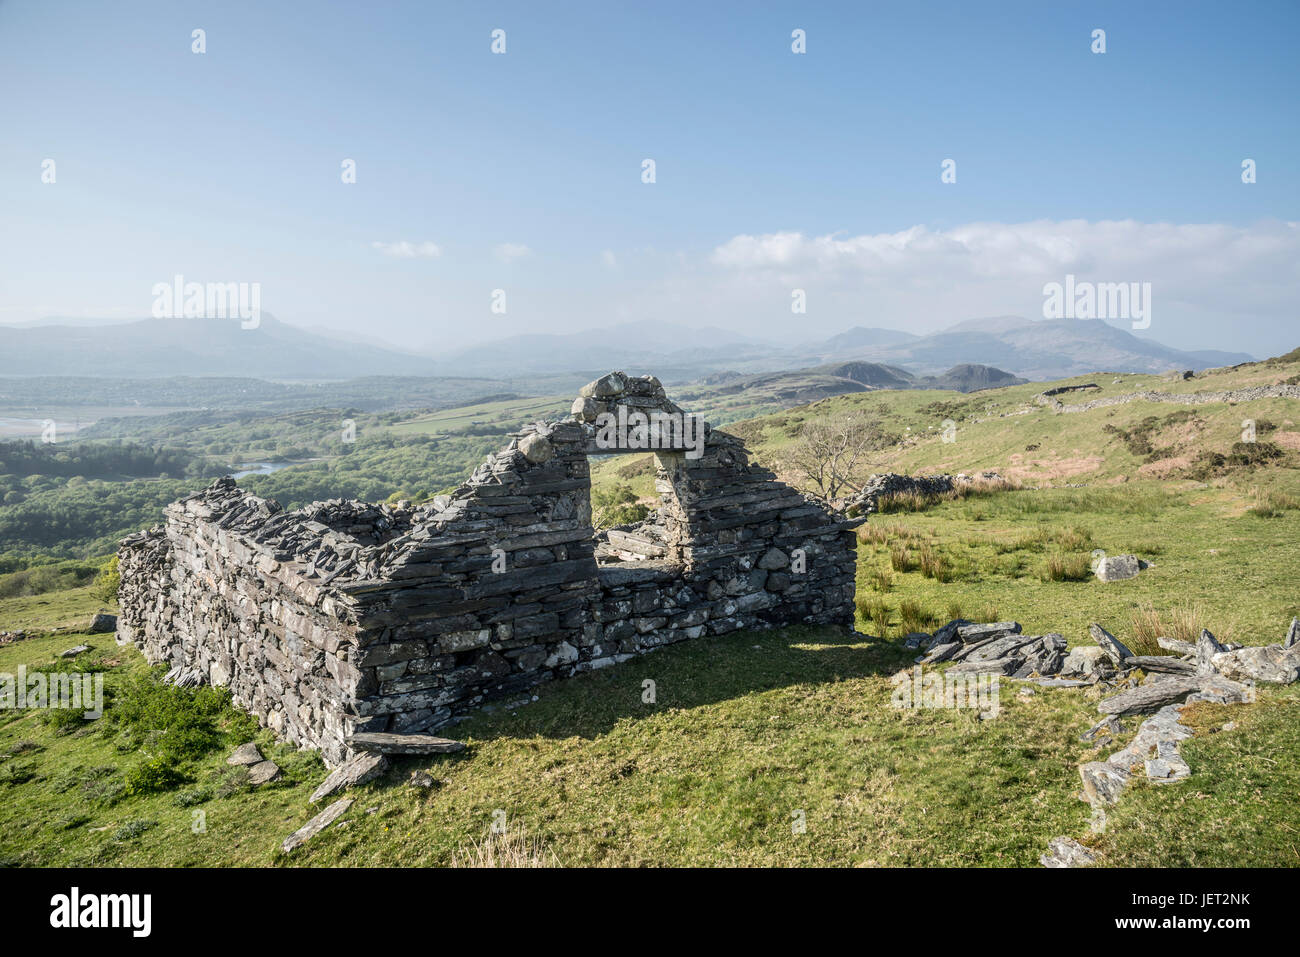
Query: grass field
(489,418)
(782,747)
(750,730)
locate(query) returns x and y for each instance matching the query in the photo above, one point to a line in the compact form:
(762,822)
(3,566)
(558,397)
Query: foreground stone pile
(998,648)
(342,620)
(1154,687)
(1207,671)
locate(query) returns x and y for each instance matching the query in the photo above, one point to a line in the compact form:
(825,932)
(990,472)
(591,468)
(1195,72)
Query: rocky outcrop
(343,619)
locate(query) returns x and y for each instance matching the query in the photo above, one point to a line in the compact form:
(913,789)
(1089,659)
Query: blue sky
(523,170)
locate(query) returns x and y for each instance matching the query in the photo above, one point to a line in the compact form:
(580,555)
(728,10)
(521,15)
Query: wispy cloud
(990,251)
(509,252)
(407,250)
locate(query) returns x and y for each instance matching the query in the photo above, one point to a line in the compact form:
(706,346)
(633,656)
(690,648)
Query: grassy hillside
(1004,429)
(755,732)
(750,733)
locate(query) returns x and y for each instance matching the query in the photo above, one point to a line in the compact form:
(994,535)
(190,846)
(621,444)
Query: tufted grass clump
(902,559)
(913,617)
(1060,567)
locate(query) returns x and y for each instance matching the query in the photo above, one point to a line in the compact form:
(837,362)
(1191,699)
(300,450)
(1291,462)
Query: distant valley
(277,351)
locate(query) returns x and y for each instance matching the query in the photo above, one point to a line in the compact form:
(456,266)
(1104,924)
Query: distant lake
(264,468)
(32,428)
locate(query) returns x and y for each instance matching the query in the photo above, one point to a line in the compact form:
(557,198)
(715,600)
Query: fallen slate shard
(1115,649)
(360,769)
(317,824)
(1207,646)
(1103,782)
(1276,664)
(1177,646)
(973,633)
(404,743)
(1161,663)
(1150,697)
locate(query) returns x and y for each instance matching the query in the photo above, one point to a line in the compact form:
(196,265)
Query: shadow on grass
(691,674)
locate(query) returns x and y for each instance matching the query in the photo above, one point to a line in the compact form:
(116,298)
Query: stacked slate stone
(488,598)
(995,648)
(753,551)
(881,485)
(206,597)
(344,618)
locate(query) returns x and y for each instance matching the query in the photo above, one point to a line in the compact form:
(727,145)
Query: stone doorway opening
(639,528)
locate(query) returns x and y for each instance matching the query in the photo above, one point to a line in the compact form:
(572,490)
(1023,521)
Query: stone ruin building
(341,617)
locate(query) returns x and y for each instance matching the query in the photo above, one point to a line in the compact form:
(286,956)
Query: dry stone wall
(343,617)
(1252,394)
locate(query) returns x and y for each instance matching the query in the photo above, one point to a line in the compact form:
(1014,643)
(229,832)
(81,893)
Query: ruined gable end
(342,617)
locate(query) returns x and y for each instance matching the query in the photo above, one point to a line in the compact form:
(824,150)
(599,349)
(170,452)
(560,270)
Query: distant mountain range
(1041,349)
(1008,346)
(196,347)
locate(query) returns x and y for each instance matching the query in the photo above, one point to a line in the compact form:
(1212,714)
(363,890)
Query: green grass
(69,609)
(754,731)
(1238,805)
(486,418)
(749,729)
(1203,545)
(746,731)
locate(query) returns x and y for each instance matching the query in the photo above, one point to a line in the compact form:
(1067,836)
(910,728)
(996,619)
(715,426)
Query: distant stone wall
(344,617)
(1176,398)
(883,484)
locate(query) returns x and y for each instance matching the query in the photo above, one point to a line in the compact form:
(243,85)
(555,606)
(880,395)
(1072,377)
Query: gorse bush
(178,724)
(107,583)
(153,775)
(41,579)
(614,505)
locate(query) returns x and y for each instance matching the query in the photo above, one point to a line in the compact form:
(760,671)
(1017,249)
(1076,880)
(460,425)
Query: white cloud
(987,251)
(406,250)
(1213,284)
(509,252)
(608,259)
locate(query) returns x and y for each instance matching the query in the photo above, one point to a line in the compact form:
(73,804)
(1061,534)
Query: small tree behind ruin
(828,452)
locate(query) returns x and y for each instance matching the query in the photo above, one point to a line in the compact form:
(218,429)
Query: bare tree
(827,452)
